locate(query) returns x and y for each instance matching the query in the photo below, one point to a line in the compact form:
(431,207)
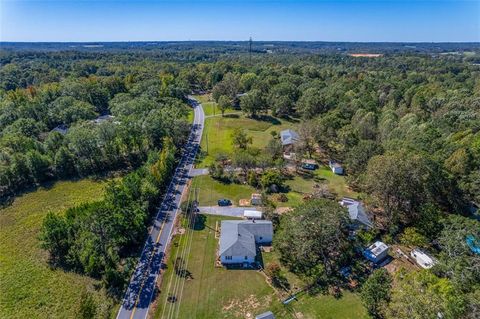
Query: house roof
(377,248)
(265,315)
(289,137)
(237,237)
(356,211)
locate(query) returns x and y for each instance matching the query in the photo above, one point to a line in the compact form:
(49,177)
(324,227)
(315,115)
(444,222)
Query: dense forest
(405,125)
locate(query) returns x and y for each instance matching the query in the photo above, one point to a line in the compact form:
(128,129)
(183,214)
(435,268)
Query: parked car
(224,202)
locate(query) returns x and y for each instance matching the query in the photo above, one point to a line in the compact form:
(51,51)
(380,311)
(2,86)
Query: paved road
(138,296)
(225,210)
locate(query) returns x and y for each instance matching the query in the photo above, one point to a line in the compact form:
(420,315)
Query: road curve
(139,294)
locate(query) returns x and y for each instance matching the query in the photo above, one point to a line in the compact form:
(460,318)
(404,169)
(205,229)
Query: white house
(238,240)
(422,259)
(335,167)
(357,213)
(252,214)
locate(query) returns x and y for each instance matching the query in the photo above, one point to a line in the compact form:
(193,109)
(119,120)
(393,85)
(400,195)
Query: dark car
(224,202)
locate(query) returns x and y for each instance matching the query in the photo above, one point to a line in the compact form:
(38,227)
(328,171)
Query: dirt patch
(244,202)
(245,308)
(181,231)
(283,210)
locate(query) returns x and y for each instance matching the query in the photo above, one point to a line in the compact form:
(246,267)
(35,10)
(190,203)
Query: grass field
(218,131)
(219,293)
(29,287)
(209,105)
(210,191)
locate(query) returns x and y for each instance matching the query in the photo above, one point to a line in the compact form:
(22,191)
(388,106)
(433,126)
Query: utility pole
(250,49)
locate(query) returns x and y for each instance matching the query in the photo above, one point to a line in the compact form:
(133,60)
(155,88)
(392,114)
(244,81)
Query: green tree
(375,293)
(253,103)
(240,139)
(310,238)
(54,237)
(272,181)
(88,308)
(422,295)
(411,237)
(224,103)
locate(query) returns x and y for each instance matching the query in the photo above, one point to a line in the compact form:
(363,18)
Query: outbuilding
(335,167)
(376,252)
(252,214)
(289,138)
(256,199)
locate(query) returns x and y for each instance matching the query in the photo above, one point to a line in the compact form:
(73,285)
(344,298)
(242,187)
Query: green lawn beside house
(211,190)
(212,292)
(217,135)
(29,287)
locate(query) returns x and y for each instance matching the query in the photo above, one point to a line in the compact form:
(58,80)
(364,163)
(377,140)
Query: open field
(29,287)
(209,105)
(219,293)
(210,191)
(218,130)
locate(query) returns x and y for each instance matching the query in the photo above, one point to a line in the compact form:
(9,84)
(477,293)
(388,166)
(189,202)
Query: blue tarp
(473,243)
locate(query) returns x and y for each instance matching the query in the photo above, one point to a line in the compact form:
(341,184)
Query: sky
(288,20)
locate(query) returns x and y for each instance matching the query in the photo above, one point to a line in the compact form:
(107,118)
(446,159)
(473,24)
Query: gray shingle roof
(357,212)
(237,237)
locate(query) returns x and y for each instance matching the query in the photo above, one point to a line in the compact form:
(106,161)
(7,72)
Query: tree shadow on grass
(268,118)
(200,222)
(231,116)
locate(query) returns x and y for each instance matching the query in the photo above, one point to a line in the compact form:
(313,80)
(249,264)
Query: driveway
(232,211)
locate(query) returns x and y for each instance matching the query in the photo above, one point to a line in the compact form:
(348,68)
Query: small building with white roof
(376,252)
(252,214)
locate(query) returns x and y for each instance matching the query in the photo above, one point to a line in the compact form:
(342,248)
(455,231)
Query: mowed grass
(217,135)
(347,306)
(210,107)
(218,293)
(29,288)
(300,185)
(210,191)
(213,292)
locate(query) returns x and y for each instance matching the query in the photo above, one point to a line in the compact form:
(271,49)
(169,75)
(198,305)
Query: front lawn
(218,132)
(211,190)
(213,292)
(216,293)
(29,287)
(210,107)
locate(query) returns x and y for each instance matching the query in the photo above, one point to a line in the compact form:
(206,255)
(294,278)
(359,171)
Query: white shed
(252,214)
